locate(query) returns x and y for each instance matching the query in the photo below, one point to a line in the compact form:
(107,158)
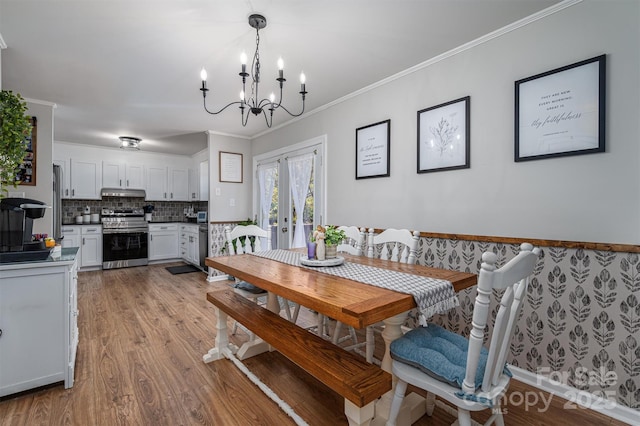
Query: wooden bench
(359,382)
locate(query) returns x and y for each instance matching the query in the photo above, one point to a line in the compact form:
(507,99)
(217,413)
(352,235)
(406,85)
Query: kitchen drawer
(163,227)
(70,230)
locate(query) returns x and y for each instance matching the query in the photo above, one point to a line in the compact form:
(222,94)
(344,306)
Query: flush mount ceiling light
(253,103)
(130,143)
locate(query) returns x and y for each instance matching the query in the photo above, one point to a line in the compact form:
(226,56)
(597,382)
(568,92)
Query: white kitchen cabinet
(156,183)
(117,174)
(178,184)
(194,185)
(167,184)
(65,169)
(163,241)
(38,320)
(91,252)
(72,237)
(135,176)
(189,243)
(86,179)
(204,181)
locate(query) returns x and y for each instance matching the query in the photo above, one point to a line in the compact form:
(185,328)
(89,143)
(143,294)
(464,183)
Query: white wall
(43,190)
(223,194)
(593,198)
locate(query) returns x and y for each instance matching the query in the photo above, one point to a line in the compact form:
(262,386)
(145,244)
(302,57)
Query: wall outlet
(218,191)
(232,202)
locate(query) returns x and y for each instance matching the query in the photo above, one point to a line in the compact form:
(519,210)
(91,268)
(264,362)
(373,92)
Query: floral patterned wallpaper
(580,323)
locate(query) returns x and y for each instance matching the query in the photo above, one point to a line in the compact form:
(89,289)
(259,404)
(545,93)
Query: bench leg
(222,339)
(359,416)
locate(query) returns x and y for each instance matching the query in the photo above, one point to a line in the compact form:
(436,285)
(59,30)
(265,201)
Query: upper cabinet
(122,175)
(178,184)
(194,185)
(167,183)
(86,179)
(65,185)
(156,186)
(86,170)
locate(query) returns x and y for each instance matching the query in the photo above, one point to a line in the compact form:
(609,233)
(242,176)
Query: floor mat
(183,269)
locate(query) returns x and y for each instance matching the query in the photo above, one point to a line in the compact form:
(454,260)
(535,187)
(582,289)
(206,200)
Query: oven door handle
(125,231)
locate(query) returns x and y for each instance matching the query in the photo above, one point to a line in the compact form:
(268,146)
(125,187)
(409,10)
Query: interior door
(276,204)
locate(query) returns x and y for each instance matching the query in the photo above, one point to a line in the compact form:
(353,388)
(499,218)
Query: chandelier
(253,104)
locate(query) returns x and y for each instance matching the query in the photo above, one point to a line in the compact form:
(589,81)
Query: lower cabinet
(163,242)
(88,239)
(38,324)
(91,246)
(189,243)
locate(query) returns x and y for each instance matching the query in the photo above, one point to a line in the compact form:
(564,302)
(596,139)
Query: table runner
(432,295)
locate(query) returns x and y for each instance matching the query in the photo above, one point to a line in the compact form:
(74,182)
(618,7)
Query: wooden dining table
(348,301)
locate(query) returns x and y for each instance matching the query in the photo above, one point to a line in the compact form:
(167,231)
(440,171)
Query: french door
(289,192)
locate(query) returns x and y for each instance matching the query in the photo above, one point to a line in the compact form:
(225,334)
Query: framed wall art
(26,172)
(373,150)
(561,112)
(444,136)
(230,167)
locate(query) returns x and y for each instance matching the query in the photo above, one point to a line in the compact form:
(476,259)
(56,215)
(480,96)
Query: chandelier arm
(222,109)
(244,118)
(289,112)
(268,122)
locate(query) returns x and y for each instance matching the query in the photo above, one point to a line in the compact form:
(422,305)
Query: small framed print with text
(561,112)
(373,150)
(230,167)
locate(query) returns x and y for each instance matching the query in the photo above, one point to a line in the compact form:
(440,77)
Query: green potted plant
(332,237)
(15,126)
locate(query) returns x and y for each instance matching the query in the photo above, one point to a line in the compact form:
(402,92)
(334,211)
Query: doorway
(289,192)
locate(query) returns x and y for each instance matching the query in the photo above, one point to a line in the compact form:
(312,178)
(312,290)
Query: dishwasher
(203,240)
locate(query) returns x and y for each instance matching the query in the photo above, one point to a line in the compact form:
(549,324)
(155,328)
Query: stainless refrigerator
(57,202)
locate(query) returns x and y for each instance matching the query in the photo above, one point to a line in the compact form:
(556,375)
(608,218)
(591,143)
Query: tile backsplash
(164,211)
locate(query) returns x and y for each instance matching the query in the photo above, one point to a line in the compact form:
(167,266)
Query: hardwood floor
(143,332)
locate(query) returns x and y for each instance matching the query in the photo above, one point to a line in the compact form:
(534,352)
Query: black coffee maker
(16,226)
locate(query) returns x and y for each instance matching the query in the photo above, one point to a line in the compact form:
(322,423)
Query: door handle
(120,182)
(285,230)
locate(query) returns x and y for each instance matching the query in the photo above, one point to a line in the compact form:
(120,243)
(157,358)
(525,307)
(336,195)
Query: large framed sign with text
(561,112)
(373,150)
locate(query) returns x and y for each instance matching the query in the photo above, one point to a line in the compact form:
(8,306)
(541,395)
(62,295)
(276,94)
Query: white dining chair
(250,239)
(459,370)
(399,245)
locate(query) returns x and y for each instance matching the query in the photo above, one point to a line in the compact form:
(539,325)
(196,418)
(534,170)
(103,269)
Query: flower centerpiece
(332,237)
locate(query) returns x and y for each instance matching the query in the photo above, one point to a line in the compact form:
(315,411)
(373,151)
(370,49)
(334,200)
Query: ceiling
(132,67)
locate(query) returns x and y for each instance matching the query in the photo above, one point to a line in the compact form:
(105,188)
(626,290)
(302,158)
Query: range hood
(120,192)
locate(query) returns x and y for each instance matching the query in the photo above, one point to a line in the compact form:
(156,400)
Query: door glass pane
(309,206)
(273,213)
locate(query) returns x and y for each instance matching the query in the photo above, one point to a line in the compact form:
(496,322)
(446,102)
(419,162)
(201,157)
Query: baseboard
(577,399)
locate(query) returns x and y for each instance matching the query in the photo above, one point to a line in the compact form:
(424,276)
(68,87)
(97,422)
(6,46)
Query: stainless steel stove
(124,238)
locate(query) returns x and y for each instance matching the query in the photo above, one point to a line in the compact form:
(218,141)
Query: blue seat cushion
(438,353)
(243,285)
